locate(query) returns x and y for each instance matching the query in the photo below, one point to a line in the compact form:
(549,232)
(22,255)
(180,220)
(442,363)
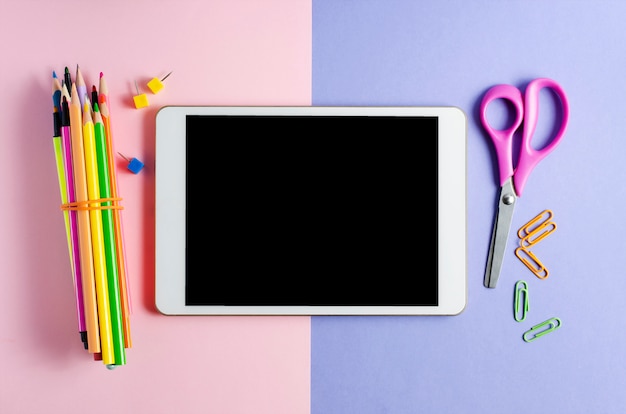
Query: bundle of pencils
(83,147)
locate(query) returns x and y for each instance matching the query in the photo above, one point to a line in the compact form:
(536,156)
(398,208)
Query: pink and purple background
(322,52)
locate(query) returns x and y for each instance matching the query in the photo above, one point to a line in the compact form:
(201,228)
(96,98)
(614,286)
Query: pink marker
(71,198)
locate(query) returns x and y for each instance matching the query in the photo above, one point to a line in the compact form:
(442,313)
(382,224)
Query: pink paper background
(221,52)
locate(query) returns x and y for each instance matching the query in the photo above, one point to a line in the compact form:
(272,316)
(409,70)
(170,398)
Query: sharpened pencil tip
(54,74)
(101,74)
(67,70)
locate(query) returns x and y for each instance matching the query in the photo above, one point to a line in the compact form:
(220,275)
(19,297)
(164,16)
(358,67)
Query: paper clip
(538,233)
(520,306)
(528,227)
(537,268)
(537,331)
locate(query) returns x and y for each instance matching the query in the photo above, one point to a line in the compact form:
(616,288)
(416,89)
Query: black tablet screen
(311,210)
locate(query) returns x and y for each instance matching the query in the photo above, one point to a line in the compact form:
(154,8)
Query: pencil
(68,79)
(71,198)
(56,94)
(81,87)
(109,238)
(94,96)
(84,228)
(58,155)
(117,215)
(65,92)
(97,238)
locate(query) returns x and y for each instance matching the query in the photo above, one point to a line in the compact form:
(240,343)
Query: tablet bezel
(170,168)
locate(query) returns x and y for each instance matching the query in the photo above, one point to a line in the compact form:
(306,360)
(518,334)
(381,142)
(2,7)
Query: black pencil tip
(83,338)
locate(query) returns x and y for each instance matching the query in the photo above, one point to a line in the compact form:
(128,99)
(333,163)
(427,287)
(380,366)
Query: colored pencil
(81,86)
(71,198)
(58,155)
(117,215)
(97,238)
(84,228)
(109,238)
(94,96)
(68,80)
(65,92)
(56,94)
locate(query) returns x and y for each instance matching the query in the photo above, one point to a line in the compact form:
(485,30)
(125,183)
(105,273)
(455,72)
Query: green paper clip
(537,332)
(520,306)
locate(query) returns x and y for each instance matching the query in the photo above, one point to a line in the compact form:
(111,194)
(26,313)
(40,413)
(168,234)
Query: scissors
(512,182)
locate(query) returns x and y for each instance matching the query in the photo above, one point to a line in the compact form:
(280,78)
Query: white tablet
(310,210)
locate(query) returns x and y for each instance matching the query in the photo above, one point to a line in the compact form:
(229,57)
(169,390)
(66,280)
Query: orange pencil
(117,219)
(81,87)
(84,227)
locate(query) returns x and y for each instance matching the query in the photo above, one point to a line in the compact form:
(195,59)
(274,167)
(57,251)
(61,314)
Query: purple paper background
(407,52)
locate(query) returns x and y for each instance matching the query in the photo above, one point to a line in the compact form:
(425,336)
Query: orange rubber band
(87,205)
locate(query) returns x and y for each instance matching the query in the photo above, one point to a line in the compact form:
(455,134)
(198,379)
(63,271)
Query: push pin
(134,165)
(156,84)
(141,100)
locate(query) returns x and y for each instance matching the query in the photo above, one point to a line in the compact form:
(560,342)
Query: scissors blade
(500,233)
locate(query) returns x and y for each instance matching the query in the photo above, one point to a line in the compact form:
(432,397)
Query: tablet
(310,210)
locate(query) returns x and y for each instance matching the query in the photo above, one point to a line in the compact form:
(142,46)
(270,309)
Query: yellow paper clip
(520,306)
(537,268)
(528,227)
(538,233)
(538,330)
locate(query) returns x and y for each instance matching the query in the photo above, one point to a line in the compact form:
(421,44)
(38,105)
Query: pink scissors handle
(526,109)
(503,139)
(529,157)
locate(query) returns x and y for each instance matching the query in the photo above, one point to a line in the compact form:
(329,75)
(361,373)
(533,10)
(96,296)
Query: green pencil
(108,225)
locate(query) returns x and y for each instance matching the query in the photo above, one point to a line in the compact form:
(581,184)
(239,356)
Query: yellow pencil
(84,228)
(97,237)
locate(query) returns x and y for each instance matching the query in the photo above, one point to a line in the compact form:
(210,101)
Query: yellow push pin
(156,84)
(141,100)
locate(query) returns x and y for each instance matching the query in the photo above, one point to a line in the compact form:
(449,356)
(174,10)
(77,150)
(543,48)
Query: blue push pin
(134,165)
